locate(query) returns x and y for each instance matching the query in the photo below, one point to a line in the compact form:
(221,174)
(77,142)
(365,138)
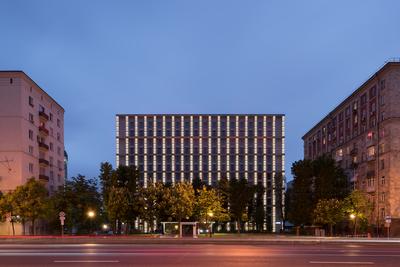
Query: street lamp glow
(105,226)
(352,216)
(210,214)
(91,214)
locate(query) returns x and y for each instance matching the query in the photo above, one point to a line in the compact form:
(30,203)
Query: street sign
(62,217)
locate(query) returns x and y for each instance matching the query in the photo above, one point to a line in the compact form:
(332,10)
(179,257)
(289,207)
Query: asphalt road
(221,255)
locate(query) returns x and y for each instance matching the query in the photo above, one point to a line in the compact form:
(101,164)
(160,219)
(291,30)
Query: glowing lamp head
(91,214)
(352,216)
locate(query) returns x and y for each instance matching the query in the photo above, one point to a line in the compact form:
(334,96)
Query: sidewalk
(217,239)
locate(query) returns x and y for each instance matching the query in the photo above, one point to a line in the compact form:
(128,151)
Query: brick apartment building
(32,133)
(363,134)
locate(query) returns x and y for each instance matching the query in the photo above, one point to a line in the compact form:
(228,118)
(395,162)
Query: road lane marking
(86,261)
(343,262)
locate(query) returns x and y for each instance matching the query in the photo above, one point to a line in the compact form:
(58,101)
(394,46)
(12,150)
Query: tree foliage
(240,196)
(358,204)
(209,206)
(152,202)
(328,212)
(181,200)
(29,201)
(314,180)
(78,196)
(120,193)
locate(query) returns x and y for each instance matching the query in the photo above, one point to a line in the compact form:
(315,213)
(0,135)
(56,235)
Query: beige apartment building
(363,134)
(31,133)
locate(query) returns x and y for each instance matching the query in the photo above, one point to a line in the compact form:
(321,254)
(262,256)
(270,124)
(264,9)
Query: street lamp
(91,214)
(354,217)
(210,214)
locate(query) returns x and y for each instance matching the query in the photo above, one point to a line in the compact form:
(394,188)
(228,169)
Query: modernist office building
(363,134)
(173,147)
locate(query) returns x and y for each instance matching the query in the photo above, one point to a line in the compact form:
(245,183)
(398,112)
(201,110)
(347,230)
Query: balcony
(43,130)
(44,162)
(44,177)
(43,116)
(43,146)
(370,189)
(354,152)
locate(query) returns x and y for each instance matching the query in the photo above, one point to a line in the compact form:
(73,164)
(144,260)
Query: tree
(330,181)
(358,207)
(126,177)
(240,195)
(182,200)
(78,196)
(30,201)
(314,180)
(223,191)
(197,184)
(209,204)
(279,187)
(151,202)
(259,207)
(329,212)
(7,208)
(118,206)
(106,179)
(301,206)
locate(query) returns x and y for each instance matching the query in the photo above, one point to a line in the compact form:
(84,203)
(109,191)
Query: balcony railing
(43,130)
(44,177)
(44,162)
(43,116)
(43,146)
(370,189)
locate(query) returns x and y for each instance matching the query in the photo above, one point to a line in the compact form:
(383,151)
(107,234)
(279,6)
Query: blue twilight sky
(99,58)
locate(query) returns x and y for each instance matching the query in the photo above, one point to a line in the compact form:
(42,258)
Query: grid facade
(172,148)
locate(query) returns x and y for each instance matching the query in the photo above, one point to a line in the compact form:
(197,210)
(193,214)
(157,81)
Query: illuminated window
(371,151)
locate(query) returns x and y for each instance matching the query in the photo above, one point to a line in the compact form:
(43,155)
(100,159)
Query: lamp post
(210,214)
(354,218)
(91,214)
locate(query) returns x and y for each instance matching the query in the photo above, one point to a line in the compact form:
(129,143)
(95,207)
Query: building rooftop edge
(203,114)
(27,76)
(374,75)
